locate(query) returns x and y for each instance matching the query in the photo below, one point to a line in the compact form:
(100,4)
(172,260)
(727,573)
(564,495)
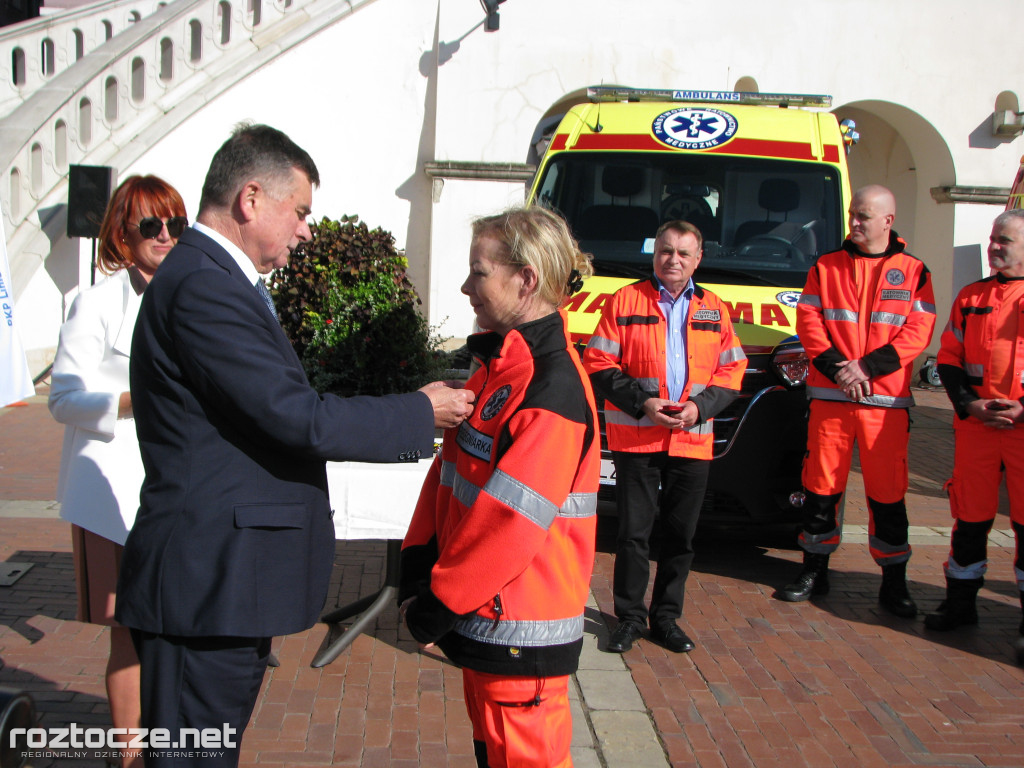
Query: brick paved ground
(827,683)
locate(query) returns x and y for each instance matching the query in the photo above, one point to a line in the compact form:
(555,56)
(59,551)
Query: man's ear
(249,199)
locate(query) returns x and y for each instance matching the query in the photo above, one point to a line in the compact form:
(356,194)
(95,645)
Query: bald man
(866,312)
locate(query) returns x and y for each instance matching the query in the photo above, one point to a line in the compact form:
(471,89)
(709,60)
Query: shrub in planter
(348,307)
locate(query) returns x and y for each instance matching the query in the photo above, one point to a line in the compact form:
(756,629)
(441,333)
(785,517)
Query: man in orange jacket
(666,360)
(981,364)
(866,312)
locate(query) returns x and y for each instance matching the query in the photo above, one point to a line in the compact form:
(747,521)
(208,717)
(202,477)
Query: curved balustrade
(116,100)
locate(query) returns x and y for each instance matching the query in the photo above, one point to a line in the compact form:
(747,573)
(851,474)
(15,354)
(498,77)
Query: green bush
(348,307)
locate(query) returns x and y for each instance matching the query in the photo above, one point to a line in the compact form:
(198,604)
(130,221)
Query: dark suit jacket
(234,535)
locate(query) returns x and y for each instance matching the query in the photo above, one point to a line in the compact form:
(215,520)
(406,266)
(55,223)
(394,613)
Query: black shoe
(623,636)
(951,615)
(812,580)
(672,638)
(894,596)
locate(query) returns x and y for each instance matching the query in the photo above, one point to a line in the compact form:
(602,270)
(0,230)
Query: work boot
(1018,644)
(813,580)
(959,606)
(894,596)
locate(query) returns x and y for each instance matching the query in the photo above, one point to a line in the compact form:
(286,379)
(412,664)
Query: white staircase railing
(110,105)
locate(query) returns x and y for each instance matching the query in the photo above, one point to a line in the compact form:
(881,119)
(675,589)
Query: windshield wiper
(618,268)
(755,279)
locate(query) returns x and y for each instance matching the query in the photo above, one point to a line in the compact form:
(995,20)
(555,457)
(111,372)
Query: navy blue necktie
(265,294)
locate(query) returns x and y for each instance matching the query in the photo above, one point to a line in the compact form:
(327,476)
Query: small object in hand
(994,406)
(672,410)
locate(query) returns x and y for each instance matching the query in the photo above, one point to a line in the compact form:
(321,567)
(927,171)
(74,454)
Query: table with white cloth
(370,501)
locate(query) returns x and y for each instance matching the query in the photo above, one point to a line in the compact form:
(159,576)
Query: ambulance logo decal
(895,277)
(687,128)
(788,298)
(495,403)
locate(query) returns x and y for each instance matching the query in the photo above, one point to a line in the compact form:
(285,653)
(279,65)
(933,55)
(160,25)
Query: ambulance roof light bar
(606,94)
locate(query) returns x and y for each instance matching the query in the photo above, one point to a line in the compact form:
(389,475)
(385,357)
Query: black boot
(894,596)
(959,606)
(813,580)
(1018,644)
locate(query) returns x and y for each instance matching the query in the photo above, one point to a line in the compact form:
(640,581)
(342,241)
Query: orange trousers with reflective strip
(525,721)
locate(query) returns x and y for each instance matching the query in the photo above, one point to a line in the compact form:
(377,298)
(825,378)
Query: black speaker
(89,190)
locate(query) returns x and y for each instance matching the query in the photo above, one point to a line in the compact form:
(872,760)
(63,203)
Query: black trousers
(199,683)
(682,483)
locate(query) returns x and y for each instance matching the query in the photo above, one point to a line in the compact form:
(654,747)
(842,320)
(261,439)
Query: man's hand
(451,403)
(998,413)
(402,609)
(854,380)
(655,409)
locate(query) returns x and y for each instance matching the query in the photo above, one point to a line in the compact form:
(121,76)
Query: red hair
(135,194)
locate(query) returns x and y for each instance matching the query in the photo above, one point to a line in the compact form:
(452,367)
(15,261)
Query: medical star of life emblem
(688,128)
(495,403)
(895,277)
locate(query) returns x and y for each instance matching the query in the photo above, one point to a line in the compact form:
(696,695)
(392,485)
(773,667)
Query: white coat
(101,468)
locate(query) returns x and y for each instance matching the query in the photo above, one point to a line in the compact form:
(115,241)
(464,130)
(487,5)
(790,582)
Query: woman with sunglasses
(101,470)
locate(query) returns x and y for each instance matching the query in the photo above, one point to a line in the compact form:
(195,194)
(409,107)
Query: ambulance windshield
(764,222)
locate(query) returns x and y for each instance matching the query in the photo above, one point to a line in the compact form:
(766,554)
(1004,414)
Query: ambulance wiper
(609,268)
(703,271)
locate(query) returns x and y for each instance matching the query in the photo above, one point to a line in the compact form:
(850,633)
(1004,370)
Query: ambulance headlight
(790,364)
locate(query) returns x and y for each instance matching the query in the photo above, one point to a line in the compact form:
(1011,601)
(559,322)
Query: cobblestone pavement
(831,682)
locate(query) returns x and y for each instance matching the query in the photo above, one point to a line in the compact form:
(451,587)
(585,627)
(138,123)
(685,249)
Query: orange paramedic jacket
(982,354)
(886,324)
(626,361)
(501,546)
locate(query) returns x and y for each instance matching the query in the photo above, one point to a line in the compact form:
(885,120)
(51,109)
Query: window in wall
(108,30)
(255,9)
(15,195)
(138,79)
(35,163)
(166,59)
(79,43)
(85,122)
(224,14)
(134,16)
(196,38)
(46,57)
(18,66)
(110,100)
(60,144)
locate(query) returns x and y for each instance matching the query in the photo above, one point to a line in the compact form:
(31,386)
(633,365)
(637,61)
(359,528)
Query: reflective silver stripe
(625,420)
(809,300)
(696,388)
(888,318)
(973,571)
(885,548)
(958,335)
(842,315)
(975,370)
(474,442)
(820,543)
(651,385)
(731,355)
(579,505)
(701,429)
(884,401)
(465,491)
(602,344)
(922,306)
(521,498)
(1020,579)
(447,473)
(528,634)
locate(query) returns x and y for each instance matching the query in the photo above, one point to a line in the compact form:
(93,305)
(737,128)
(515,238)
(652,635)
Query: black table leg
(365,608)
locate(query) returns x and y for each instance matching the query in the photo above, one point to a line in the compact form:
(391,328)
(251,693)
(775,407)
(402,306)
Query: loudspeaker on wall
(89,190)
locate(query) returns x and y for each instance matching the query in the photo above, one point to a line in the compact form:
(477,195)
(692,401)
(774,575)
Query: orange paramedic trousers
(525,721)
(881,437)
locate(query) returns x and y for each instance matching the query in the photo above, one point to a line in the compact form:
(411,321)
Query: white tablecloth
(374,501)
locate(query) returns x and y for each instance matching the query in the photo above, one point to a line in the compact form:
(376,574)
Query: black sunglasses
(151,226)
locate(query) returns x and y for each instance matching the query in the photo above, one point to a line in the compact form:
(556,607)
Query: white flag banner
(15,380)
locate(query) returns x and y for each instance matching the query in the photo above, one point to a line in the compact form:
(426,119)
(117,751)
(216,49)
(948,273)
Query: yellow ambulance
(764,177)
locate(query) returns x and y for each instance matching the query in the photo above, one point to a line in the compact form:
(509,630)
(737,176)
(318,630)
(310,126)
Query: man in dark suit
(233,542)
